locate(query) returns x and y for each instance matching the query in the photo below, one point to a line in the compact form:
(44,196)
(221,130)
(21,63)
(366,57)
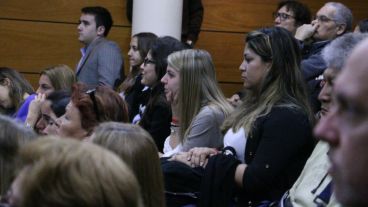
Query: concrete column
(161,17)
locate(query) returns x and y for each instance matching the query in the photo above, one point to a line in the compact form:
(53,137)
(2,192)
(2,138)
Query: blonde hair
(136,147)
(66,173)
(283,85)
(62,77)
(198,86)
(12,137)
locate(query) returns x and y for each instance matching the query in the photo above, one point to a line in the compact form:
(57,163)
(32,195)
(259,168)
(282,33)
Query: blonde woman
(196,100)
(135,147)
(68,173)
(56,78)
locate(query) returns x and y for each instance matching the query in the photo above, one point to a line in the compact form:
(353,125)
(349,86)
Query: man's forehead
(354,76)
(86,16)
(327,10)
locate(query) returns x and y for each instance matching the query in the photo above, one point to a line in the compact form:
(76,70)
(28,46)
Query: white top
(237,140)
(168,150)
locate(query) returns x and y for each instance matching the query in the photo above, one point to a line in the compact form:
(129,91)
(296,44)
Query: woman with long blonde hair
(196,100)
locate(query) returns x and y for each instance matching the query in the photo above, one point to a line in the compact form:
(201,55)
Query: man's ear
(101,31)
(340,29)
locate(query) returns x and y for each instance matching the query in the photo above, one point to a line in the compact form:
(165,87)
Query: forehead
(330,73)
(248,50)
(352,82)
(87,17)
(46,106)
(134,41)
(286,10)
(44,78)
(327,10)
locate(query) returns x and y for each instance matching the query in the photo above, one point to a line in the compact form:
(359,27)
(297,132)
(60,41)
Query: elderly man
(345,128)
(313,187)
(332,20)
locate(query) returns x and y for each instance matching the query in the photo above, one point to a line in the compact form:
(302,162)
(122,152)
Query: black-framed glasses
(283,16)
(91,94)
(323,19)
(148,61)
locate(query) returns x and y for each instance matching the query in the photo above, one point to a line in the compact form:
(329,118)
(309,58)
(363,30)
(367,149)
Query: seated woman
(136,148)
(67,173)
(51,108)
(154,112)
(16,93)
(12,136)
(131,88)
(56,78)
(270,133)
(196,101)
(88,108)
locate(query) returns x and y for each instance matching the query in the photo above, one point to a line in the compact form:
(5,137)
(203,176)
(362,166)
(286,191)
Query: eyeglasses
(323,19)
(91,94)
(282,16)
(148,61)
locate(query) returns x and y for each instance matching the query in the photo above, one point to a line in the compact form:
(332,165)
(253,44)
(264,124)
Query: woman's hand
(234,100)
(34,110)
(181,157)
(198,156)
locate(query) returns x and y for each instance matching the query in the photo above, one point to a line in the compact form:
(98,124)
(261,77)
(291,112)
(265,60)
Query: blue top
(22,112)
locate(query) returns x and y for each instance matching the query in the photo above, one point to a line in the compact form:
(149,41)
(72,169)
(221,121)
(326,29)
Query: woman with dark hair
(131,88)
(292,14)
(362,26)
(88,108)
(155,112)
(270,133)
(51,108)
(16,93)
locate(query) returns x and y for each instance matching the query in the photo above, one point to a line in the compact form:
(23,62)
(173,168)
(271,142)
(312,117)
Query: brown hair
(18,86)
(62,77)
(136,147)
(12,137)
(144,42)
(98,105)
(66,173)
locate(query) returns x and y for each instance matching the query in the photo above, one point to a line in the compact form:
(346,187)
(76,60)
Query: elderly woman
(88,108)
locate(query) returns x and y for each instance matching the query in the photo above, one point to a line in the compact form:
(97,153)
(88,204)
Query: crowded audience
(165,135)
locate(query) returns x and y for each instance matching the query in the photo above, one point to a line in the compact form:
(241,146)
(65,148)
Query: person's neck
(87,44)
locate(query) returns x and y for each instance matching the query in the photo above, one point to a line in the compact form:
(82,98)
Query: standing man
(101,62)
(332,20)
(345,128)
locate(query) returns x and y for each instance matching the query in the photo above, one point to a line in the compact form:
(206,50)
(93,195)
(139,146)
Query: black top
(275,153)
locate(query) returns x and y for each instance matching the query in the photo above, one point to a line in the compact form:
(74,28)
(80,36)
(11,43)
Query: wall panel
(35,34)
